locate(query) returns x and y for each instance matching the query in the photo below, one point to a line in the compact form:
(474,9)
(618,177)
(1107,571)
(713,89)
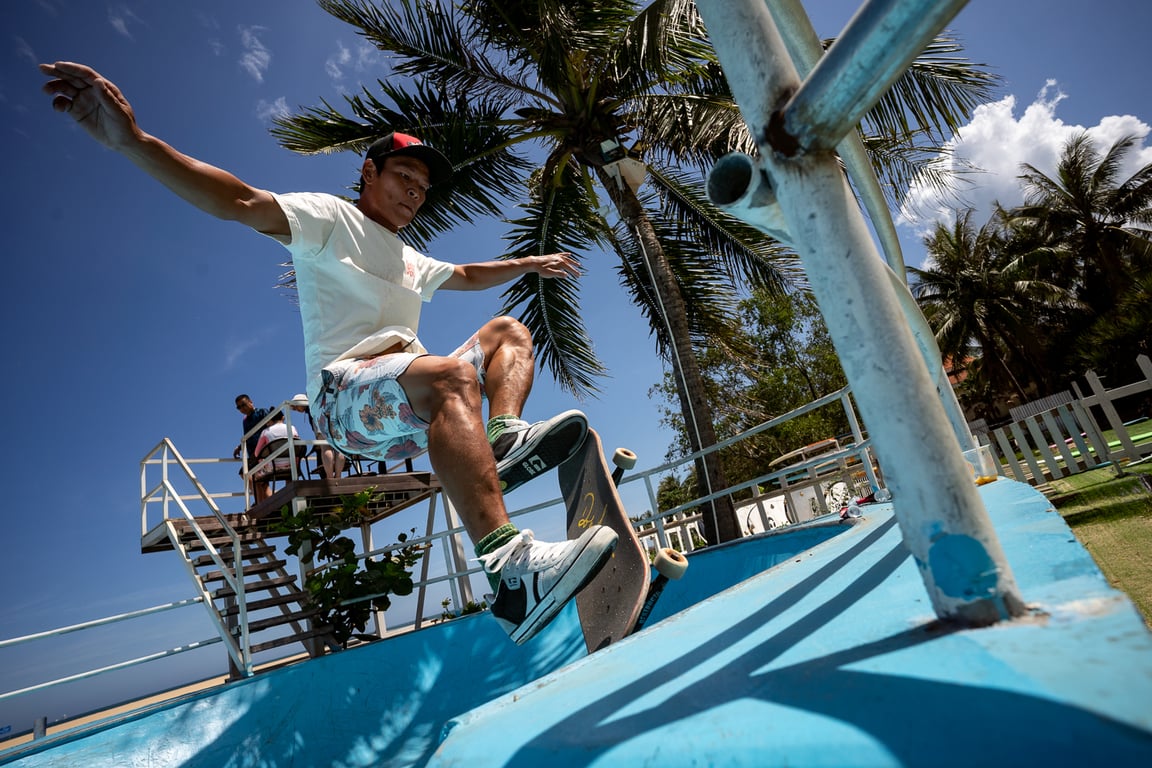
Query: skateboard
(619,599)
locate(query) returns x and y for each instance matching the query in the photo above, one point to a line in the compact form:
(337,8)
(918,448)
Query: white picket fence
(1060,435)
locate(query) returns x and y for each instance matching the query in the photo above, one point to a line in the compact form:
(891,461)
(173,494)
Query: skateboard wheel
(624,458)
(670,563)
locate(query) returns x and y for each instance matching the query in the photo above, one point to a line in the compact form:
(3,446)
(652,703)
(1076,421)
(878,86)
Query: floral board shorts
(363,410)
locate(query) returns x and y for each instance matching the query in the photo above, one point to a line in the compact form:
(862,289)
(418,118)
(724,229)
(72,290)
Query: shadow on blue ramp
(835,658)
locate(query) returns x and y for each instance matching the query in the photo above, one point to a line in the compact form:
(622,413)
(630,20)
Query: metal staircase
(254,602)
(277,611)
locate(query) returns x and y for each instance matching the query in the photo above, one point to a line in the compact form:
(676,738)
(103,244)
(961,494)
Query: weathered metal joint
(776,135)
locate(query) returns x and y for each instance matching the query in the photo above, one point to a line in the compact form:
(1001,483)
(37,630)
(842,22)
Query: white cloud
(337,61)
(988,152)
(236,349)
(207,20)
(256,56)
(119,16)
(364,58)
(24,50)
(266,110)
(212,24)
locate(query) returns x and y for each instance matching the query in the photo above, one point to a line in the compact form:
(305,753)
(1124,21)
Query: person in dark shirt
(252,417)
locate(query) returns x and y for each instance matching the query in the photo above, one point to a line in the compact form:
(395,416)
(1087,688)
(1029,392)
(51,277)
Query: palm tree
(1093,219)
(986,304)
(549,95)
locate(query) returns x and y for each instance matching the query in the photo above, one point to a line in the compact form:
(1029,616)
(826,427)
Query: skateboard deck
(610,604)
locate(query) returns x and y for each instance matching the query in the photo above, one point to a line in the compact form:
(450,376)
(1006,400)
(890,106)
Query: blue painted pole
(943,521)
(878,44)
(805,49)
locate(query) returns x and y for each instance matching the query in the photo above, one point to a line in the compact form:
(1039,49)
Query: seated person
(275,430)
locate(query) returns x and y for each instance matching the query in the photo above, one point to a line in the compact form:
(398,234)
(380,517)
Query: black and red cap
(395,143)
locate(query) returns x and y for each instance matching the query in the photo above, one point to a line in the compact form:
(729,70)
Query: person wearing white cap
(372,387)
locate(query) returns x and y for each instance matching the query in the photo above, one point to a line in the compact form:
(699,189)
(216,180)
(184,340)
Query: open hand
(93,102)
(555,265)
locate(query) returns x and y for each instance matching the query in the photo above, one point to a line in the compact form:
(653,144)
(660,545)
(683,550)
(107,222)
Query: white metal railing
(119,618)
(290,450)
(859,450)
(166,494)
(652,527)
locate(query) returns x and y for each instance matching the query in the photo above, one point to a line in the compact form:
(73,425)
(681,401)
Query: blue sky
(131,317)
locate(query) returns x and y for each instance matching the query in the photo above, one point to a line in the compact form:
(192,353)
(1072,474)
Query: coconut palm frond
(688,128)
(899,164)
(432,41)
(747,256)
(664,44)
(472,134)
(526,30)
(556,218)
(710,302)
(935,96)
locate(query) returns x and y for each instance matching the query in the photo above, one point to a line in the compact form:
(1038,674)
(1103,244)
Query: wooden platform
(393,493)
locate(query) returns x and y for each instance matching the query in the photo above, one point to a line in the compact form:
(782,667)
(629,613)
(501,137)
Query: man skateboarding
(373,389)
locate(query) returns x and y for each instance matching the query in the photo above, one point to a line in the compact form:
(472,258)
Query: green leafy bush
(344,589)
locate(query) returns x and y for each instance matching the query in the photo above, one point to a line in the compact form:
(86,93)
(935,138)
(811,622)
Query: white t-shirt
(272,432)
(360,286)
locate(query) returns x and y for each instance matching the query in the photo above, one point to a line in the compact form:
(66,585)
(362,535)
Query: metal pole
(941,516)
(873,51)
(805,48)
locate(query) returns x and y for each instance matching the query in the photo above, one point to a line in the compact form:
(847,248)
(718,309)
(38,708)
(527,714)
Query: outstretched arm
(98,107)
(485,274)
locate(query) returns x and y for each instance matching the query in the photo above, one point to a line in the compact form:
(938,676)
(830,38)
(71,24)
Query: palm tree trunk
(720,522)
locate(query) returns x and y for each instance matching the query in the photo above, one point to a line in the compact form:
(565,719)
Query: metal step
(249,570)
(248,553)
(288,640)
(256,586)
(295,596)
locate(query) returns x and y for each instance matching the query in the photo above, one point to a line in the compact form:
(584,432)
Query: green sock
(492,542)
(497,425)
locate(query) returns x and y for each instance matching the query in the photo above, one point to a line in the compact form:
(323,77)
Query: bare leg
(333,462)
(509,365)
(444,392)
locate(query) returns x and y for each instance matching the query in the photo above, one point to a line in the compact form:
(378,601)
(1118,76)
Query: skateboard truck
(669,564)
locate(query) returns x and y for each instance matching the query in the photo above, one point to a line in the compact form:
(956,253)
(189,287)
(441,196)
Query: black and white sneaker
(537,578)
(525,450)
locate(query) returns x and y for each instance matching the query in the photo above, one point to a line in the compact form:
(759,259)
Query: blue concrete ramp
(812,646)
(383,704)
(835,658)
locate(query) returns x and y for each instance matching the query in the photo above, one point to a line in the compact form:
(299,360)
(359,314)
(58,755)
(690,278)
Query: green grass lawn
(1112,518)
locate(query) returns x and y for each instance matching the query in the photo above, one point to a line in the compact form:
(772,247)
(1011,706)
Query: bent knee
(443,378)
(506,329)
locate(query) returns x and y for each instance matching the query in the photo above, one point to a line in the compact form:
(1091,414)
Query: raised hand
(555,265)
(93,102)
